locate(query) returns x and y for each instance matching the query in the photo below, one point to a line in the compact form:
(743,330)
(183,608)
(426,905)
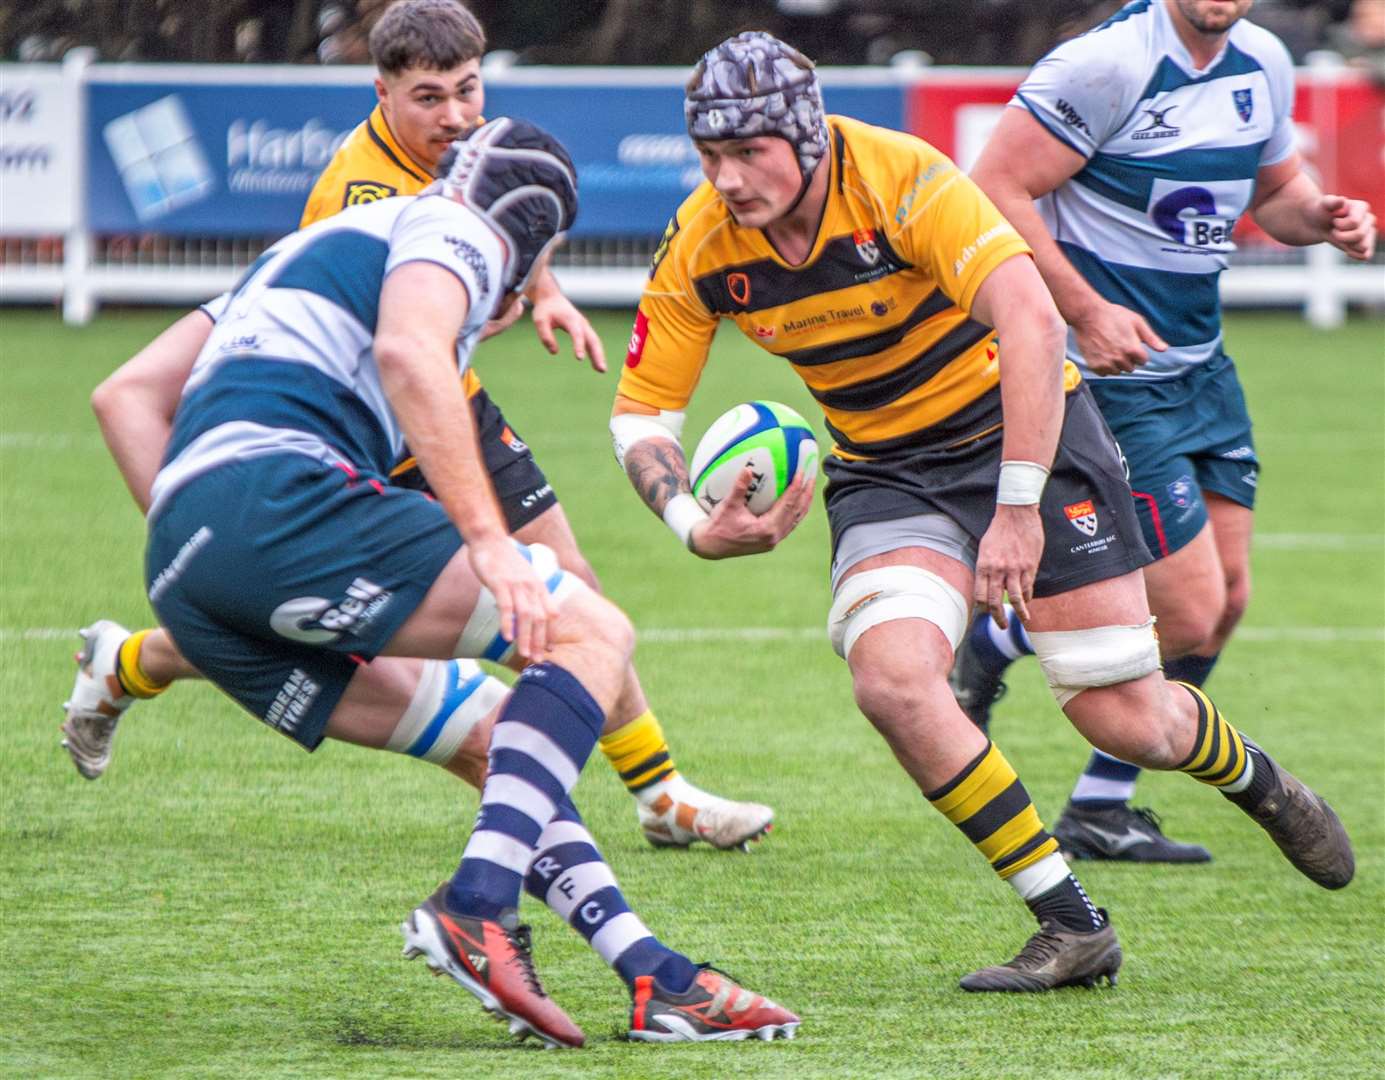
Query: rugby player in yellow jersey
(430,91)
(970,462)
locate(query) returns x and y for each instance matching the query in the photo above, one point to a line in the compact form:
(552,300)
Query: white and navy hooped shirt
(1172,154)
(288,367)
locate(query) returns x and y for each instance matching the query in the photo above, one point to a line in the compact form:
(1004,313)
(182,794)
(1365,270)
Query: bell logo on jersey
(638,336)
(1189,216)
(360,192)
(1082,516)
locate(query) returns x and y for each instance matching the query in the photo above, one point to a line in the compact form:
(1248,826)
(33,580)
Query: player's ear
(381,90)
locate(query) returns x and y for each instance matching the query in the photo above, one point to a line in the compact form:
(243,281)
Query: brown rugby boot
(1307,830)
(1054,957)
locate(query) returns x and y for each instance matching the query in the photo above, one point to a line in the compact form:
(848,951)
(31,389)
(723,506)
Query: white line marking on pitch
(691,635)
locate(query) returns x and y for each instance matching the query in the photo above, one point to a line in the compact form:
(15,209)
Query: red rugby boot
(493,962)
(713,1008)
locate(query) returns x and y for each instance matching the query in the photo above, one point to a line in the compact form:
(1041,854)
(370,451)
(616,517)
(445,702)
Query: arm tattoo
(658,471)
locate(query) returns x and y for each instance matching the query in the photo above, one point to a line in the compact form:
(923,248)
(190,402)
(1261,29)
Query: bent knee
(589,618)
(892,698)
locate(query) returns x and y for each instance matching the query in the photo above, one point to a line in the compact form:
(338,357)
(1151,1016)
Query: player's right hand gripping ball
(769,437)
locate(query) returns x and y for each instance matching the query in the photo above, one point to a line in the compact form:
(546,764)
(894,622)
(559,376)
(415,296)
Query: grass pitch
(221,905)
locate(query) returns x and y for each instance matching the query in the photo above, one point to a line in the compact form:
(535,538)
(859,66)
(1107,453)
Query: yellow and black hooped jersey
(876,319)
(370,165)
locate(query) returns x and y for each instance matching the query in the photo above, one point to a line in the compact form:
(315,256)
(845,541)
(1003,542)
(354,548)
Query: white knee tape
(452,697)
(1077,660)
(482,637)
(894,592)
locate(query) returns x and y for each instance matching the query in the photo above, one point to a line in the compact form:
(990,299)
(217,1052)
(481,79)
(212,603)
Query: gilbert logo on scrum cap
(160,161)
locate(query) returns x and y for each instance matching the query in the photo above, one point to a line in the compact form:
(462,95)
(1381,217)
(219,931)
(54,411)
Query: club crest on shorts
(1082,516)
(866,247)
(1181,492)
(1245,103)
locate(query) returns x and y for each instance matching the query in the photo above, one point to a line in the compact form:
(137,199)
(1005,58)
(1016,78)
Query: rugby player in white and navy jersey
(1125,160)
(330,604)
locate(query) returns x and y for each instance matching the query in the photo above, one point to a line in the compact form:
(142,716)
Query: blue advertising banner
(237,157)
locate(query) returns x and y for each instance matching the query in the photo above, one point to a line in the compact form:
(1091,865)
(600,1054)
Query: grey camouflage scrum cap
(753,84)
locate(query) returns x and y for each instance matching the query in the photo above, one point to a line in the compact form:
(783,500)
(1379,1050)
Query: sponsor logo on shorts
(174,570)
(360,192)
(317,621)
(513,441)
(1082,516)
(638,336)
(292,702)
(866,247)
(534,496)
(1251,479)
(1239,453)
(1182,493)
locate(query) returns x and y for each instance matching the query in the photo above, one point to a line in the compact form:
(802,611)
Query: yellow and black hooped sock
(989,804)
(1219,754)
(127,668)
(639,752)
(1239,770)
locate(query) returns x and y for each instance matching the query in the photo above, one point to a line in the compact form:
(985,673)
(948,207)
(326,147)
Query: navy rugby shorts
(1181,437)
(1090,529)
(278,576)
(520,485)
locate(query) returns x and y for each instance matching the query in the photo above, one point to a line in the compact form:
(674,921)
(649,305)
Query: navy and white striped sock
(541,741)
(1106,782)
(570,876)
(997,649)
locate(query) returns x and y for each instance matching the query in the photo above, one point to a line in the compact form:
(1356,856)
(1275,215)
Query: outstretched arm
(136,403)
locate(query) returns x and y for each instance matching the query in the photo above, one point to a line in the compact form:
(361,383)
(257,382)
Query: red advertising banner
(1340,117)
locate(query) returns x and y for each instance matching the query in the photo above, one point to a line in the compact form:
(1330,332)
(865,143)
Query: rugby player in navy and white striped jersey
(330,604)
(1125,160)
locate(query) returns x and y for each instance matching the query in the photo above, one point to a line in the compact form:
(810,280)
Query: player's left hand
(1350,226)
(1007,560)
(553,312)
(504,320)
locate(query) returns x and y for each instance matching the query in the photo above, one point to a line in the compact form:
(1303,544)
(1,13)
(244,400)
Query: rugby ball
(769,437)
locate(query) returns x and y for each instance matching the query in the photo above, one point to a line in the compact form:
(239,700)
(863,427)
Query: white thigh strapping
(482,637)
(451,698)
(873,597)
(1077,660)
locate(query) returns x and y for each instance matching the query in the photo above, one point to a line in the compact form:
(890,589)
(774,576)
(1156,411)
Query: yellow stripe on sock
(1043,851)
(1010,836)
(128,669)
(991,776)
(1229,761)
(638,751)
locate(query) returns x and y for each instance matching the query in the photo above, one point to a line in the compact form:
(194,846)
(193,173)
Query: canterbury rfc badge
(359,192)
(1082,515)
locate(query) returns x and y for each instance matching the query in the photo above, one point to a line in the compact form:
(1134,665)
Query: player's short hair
(433,34)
